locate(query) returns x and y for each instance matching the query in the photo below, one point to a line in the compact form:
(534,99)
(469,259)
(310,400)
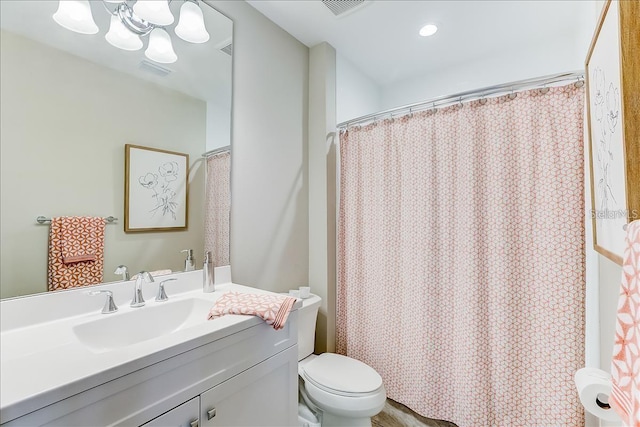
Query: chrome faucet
(122,269)
(138,300)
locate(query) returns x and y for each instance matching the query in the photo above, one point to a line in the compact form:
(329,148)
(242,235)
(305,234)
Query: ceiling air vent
(228,49)
(152,68)
(342,7)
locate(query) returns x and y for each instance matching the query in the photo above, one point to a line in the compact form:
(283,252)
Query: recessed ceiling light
(428,30)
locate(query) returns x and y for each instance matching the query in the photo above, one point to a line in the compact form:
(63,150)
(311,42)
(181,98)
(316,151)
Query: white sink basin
(119,330)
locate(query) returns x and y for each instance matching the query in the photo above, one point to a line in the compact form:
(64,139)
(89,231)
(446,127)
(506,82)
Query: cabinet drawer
(185,415)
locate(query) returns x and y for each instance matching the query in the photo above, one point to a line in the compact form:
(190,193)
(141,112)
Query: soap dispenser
(189,263)
(208,272)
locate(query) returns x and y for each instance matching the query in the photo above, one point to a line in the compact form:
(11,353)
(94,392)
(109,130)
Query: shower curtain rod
(217,151)
(468,95)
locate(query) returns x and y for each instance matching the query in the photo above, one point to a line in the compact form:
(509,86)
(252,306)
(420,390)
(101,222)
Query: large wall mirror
(69,104)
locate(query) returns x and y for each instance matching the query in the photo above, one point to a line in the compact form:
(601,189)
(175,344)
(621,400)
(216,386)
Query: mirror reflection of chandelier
(144,18)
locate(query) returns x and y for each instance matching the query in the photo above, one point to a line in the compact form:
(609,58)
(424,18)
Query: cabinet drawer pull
(195,423)
(211,413)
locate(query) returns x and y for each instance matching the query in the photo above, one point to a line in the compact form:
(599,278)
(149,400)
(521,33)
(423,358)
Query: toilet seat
(343,386)
(342,375)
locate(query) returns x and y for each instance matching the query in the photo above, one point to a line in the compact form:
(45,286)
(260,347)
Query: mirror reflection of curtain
(218,207)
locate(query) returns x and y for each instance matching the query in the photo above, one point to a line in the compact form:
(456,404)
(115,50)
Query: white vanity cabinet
(258,396)
(246,378)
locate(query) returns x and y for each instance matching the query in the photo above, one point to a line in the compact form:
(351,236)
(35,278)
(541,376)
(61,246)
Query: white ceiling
(381,38)
(33,19)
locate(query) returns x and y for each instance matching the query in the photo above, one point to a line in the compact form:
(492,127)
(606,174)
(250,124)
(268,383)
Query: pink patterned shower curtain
(461,258)
(218,207)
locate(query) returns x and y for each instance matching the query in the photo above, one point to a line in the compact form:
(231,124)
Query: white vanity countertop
(44,362)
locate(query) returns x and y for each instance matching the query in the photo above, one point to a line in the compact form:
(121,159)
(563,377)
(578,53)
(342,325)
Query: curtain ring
(544,89)
(579,83)
(512,95)
(482,100)
(410,112)
(460,105)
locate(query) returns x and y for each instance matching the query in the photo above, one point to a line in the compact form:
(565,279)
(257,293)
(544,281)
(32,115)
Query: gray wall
(269,209)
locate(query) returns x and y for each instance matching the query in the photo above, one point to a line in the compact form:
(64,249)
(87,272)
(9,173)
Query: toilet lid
(342,374)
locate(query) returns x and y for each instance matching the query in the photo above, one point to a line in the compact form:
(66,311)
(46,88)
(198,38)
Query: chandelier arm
(130,20)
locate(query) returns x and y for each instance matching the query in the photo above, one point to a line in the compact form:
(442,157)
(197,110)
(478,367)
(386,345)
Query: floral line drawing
(606,101)
(161,184)
(156,189)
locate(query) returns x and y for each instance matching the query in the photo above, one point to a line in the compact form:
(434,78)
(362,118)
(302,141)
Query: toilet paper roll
(594,389)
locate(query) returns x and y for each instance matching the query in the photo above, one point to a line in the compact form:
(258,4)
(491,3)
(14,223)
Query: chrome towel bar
(44,220)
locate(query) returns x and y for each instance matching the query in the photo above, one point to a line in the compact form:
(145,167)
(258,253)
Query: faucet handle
(124,271)
(109,305)
(162,295)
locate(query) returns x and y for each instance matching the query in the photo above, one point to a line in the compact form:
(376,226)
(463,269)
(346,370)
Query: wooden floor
(395,414)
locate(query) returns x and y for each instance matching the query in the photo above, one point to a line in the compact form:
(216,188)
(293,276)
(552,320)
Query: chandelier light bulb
(120,37)
(75,15)
(160,48)
(191,26)
(155,11)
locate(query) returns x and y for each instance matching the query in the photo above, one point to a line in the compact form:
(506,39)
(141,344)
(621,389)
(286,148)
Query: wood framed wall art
(156,189)
(613,118)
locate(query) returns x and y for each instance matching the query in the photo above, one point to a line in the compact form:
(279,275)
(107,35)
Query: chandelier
(131,20)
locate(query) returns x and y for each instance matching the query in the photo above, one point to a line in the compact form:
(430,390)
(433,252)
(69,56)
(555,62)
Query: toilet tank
(307,315)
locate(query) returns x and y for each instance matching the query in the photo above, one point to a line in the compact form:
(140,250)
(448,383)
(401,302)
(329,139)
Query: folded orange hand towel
(81,237)
(273,309)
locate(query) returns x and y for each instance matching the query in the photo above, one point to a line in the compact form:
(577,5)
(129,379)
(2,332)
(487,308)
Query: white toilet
(342,391)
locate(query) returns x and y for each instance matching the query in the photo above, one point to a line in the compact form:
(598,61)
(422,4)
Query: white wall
(218,125)
(539,59)
(64,124)
(269,209)
(356,93)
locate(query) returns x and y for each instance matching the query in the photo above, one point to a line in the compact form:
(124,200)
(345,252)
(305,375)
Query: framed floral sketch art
(156,189)
(613,117)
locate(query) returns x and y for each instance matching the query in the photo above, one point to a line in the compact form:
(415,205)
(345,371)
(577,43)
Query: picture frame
(612,71)
(156,190)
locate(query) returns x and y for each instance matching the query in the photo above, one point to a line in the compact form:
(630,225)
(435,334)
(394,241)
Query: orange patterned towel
(273,309)
(625,366)
(80,237)
(76,252)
